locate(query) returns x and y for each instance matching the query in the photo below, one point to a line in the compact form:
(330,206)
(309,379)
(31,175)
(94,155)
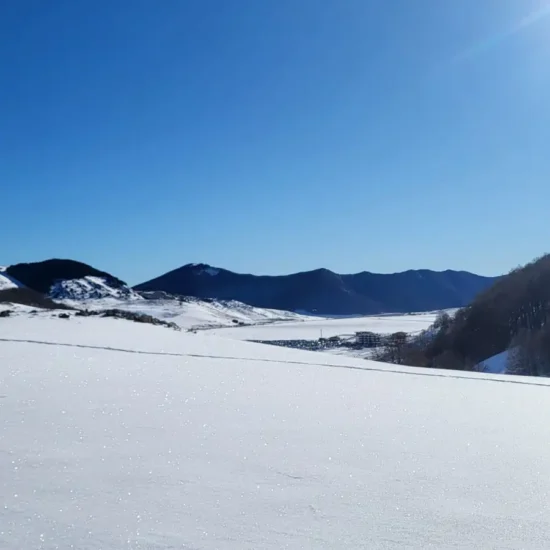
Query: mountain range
(325,292)
(320,291)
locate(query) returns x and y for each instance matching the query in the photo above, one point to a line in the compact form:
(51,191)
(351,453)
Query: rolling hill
(62,279)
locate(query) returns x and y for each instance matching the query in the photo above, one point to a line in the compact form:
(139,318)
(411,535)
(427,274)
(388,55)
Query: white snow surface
(313,328)
(22,309)
(233,445)
(90,288)
(496,364)
(7,282)
(200,314)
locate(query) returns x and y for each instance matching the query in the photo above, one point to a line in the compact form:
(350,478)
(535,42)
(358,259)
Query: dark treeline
(29,297)
(511,314)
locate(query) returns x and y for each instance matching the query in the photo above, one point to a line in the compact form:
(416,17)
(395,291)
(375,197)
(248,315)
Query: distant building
(368,339)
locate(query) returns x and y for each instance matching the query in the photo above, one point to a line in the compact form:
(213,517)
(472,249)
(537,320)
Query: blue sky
(273,136)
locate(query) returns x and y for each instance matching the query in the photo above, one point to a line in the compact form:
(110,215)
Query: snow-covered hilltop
(90,288)
(53,276)
(54,283)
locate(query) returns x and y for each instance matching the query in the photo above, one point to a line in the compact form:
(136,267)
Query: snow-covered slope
(90,288)
(199,314)
(496,364)
(178,440)
(7,282)
(207,314)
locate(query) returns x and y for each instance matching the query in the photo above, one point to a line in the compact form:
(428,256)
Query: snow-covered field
(313,328)
(177,440)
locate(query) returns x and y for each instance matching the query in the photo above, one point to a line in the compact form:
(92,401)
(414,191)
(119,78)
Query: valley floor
(238,321)
(313,328)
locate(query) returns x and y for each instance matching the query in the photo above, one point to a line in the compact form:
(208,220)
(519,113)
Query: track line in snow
(263,360)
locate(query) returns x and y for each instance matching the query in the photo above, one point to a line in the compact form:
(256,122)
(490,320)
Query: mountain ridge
(319,291)
(324,291)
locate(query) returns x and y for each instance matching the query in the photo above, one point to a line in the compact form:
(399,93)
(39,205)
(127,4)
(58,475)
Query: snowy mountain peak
(204,269)
(91,288)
